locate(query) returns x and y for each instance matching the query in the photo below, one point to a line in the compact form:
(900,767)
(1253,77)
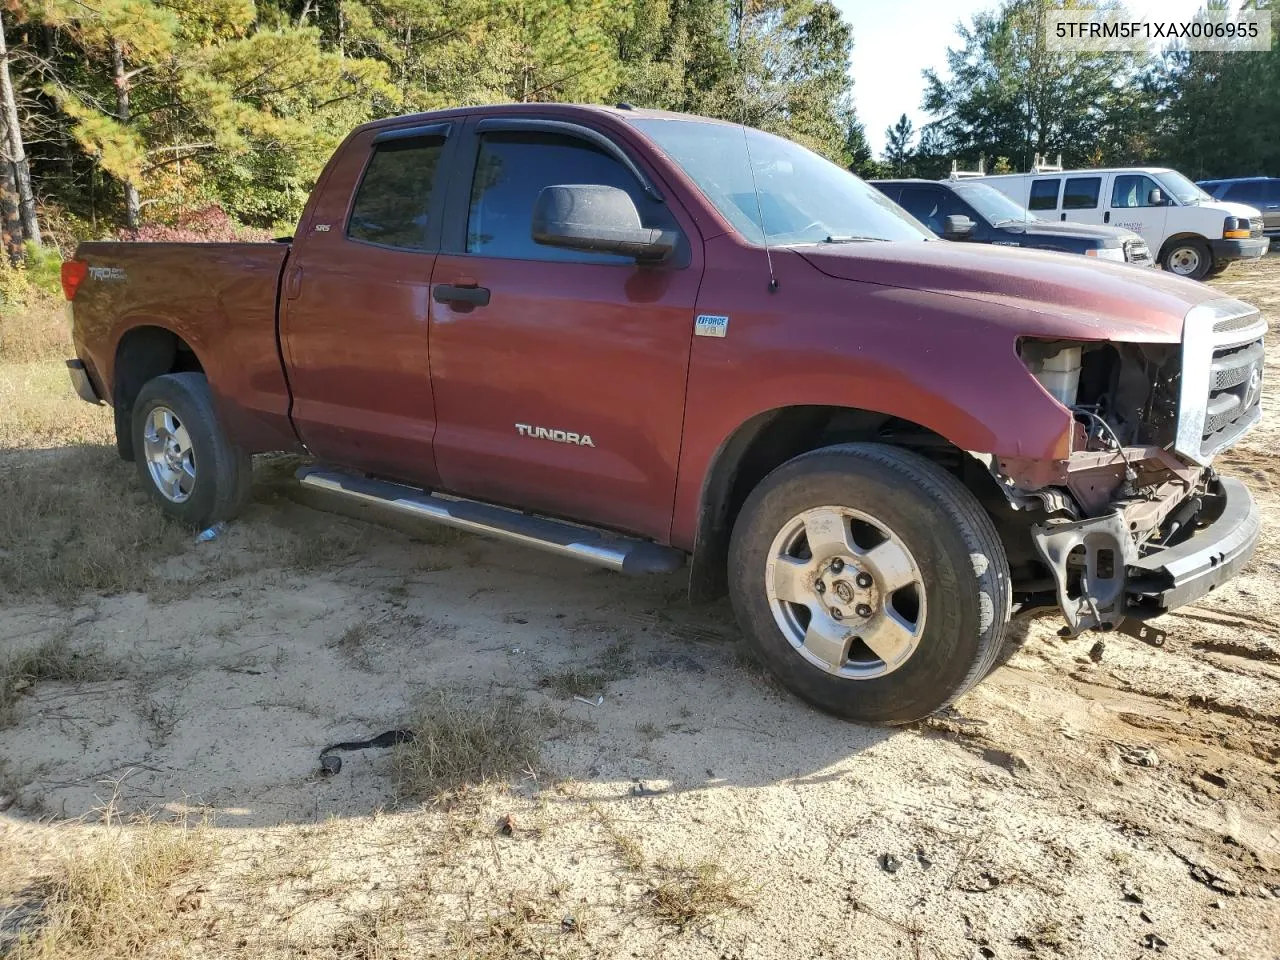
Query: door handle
(1106,217)
(1062,216)
(472,294)
(293,283)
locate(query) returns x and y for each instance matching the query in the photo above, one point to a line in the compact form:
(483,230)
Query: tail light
(73,274)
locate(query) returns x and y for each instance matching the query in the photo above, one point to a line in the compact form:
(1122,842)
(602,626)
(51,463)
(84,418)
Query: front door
(1132,208)
(559,375)
(354,305)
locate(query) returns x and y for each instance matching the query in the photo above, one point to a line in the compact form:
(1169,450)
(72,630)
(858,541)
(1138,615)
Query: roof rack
(958,174)
(1042,165)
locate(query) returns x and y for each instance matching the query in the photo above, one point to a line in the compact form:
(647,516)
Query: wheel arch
(1179,238)
(771,438)
(144,351)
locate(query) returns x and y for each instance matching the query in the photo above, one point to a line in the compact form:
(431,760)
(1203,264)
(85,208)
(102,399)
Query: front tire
(870,582)
(185,460)
(1189,258)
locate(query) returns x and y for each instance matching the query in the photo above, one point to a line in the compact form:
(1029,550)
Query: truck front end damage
(1136,522)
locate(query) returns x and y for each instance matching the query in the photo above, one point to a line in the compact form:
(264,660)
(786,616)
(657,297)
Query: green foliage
(898,154)
(1008,95)
(166,107)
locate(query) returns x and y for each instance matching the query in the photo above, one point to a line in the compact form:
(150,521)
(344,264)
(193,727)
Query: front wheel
(182,455)
(1189,258)
(870,582)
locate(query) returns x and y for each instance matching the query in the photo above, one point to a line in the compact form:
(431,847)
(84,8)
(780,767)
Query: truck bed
(219,298)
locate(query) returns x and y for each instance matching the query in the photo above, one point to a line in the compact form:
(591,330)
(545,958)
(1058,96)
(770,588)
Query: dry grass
(38,331)
(54,659)
(118,893)
(690,894)
(460,745)
(377,935)
(77,520)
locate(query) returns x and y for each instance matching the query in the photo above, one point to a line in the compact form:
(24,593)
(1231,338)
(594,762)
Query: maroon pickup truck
(642,339)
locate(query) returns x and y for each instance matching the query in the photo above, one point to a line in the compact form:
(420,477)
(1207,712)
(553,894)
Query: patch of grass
(690,894)
(113,895)
(523,926)
(53,659)
(35,328)
(39,409)
(458,745)
(614,663)
(629,852)
(378,935)
(77,520)
(350,643)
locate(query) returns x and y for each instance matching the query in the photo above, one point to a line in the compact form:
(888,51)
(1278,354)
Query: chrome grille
(1220,384)
(1255,226)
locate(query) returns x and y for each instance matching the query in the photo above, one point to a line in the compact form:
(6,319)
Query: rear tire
(184,458)
(1188,258)
(912,614)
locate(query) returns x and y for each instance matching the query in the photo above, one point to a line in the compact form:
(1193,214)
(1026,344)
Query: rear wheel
(182,455)
(870,581)
(1189,258)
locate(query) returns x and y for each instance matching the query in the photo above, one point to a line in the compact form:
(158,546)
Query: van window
(1044,194)
(1081,193)
(1134,190)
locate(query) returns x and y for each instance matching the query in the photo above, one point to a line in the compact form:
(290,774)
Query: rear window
(1081,193)
(1044,194)
(391,203)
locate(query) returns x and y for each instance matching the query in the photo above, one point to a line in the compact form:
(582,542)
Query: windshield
(802,197)
(1182,189)
(993,205)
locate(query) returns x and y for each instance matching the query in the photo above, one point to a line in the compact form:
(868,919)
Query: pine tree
(897,149)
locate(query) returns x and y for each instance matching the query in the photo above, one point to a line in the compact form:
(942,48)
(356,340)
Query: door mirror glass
(956,227)
(1155,198)
(598,219)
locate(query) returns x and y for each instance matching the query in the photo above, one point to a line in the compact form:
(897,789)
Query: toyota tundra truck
(652,341)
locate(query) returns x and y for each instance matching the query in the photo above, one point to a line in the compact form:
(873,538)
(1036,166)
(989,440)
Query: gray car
(1260,192)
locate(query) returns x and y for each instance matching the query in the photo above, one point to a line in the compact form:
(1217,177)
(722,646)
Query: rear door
(559,375)
(354,308)
(1082,199)
(1263,195)
(1130,207)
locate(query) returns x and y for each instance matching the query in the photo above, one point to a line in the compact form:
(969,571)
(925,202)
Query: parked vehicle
(637,338)
(1192,234)
(1262,193)
(976,213)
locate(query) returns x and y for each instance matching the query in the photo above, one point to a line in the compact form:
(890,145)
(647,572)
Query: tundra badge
(559,436)
(710,325)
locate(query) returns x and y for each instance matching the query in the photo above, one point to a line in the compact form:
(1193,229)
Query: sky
(894,40)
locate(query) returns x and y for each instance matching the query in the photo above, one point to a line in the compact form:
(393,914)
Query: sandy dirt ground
(1108,800)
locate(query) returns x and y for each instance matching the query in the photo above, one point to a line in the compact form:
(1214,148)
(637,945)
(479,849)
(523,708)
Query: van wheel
(183,457)
(870,581)
(1189,258)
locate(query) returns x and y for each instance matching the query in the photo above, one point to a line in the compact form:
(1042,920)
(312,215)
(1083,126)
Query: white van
(1190,233)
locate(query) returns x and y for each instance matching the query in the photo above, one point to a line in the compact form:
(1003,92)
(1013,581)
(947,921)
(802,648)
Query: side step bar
(613,551)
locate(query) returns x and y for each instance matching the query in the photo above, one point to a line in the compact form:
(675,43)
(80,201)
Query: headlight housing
(1106,253)
(1236,228)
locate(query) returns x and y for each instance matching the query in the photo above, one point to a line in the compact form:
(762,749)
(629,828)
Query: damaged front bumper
(1102,577)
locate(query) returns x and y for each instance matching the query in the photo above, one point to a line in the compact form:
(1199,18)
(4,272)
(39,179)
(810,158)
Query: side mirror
(598,219)
(1155,198)
(957,227)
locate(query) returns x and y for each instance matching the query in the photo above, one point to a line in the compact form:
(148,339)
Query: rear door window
(1081,193)
(1044,194)
(390,207)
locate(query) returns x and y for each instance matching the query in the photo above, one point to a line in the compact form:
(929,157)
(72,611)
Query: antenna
(773,280)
